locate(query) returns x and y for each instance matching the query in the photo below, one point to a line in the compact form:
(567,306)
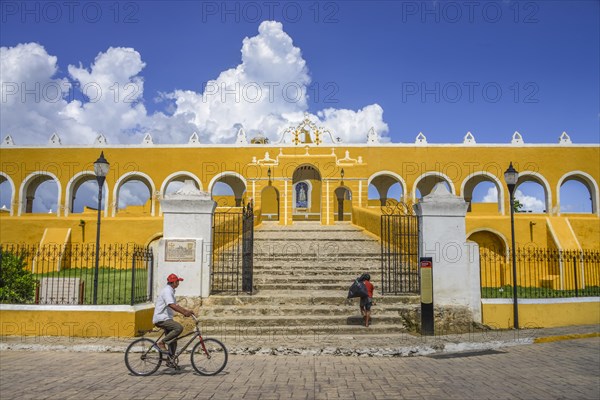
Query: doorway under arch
(269,208)
(342,205)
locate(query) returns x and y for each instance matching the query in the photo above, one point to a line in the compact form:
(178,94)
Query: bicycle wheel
(142,357)
(213,360)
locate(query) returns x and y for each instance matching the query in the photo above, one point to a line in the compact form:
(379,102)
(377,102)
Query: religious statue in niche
(302,195)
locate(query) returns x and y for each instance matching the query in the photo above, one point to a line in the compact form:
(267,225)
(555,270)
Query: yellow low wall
(367,218)
(79,321)
(542,313)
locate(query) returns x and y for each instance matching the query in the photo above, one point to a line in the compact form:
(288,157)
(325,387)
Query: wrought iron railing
(399,249)
(65,274)
(233,241)
(541,273)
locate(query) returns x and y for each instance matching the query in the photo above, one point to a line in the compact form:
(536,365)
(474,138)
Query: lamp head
(101,166)
(511,176)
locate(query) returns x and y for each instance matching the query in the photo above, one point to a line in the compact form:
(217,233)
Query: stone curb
(573,336)
(403,351)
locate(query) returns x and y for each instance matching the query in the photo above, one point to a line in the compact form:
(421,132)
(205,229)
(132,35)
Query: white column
(186,246)
(442,230)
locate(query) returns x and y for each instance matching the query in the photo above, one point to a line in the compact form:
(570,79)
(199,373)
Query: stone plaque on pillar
(185,249)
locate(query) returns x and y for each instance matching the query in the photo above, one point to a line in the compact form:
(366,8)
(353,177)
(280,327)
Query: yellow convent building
(307,175)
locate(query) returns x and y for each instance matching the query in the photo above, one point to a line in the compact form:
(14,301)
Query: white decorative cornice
(147,140)
(307,130)
(469,139)
(517,139)
(564,139)
(54,140)
(372,137)
(8,141)
(241,137)
(421,139)
(267,160)
(194,139)
(348,161)
(100,139)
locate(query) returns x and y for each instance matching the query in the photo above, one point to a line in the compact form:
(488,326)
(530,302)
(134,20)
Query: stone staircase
(301,277)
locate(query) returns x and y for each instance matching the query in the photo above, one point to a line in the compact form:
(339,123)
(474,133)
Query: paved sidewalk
(567,369)
(245,341)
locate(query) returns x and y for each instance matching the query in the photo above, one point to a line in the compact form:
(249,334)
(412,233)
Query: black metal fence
(541,273)
(233,251)
(64,274)
(399,250)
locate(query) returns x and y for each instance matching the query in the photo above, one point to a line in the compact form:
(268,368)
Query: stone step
(291,236)
(306,226)
(304,279)
(300,286)
(263,334)
(300,297)
(312,257)
(349,309)
(307,321)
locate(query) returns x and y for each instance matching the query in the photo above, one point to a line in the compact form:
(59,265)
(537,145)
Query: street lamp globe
(511,175)
(101,166)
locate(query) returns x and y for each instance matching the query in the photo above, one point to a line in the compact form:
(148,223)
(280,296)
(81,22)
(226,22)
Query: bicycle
(209,356)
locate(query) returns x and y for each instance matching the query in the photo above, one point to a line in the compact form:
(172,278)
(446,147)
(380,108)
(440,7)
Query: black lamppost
(101,169)
(511,176)
(269,175)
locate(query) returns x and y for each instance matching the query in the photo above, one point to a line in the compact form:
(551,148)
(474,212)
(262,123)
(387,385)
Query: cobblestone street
(559,370)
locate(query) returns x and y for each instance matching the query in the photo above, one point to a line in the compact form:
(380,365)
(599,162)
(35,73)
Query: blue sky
(401,67)
(443,68)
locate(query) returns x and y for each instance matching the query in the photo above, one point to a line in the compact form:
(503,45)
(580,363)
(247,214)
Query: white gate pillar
(186,246)
(442,230)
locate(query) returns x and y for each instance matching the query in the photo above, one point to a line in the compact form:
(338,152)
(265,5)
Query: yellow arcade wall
(538,313)
(208,163)
(75,321)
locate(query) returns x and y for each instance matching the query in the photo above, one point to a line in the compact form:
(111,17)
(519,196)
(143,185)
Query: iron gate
(399,249)
(233,251)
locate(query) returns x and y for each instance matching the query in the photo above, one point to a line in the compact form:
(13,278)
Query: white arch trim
(494,178)
(545,185)
(70,187)
(432,173)
(12,193)
(33,175)
(595,192)
(124,178)
(392,174)
(221,175)
(168,179)
(495,232)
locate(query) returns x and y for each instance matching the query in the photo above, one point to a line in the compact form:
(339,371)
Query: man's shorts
(366,303)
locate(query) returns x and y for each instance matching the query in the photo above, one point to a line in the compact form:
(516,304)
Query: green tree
(518,205)
(17,284)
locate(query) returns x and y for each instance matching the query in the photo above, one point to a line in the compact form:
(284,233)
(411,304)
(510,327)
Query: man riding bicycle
(163,314)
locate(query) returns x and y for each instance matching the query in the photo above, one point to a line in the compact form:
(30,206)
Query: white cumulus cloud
(267,92)
(491,196)
(530,203)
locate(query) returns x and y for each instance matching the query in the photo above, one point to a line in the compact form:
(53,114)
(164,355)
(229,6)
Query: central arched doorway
(306,193)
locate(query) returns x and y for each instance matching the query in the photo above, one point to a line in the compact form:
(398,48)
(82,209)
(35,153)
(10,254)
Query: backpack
(357,289)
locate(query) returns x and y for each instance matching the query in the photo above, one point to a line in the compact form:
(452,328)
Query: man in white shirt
(163,314)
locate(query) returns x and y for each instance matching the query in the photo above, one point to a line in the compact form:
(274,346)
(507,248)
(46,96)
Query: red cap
(173,278)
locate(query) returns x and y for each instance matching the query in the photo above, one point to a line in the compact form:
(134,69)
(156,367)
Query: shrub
(17,284)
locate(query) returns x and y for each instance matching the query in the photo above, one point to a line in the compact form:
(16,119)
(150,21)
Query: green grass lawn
(114,285)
